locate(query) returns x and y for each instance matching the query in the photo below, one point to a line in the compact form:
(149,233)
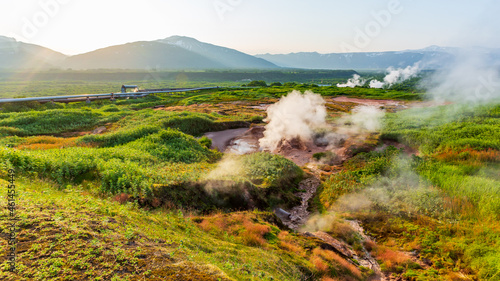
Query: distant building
(133,87)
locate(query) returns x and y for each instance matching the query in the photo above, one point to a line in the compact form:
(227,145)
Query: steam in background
(296,115)
(376,84)
(362,120)
(396,76)
(471,80)
(356,80)
(393,76)
(401,74)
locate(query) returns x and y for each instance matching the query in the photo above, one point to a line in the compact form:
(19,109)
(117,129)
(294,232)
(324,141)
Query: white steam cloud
(471,80)
(401,74)
(364,119)
(295,116)
(376,84)
(229,171)
(355,81)
(395,76)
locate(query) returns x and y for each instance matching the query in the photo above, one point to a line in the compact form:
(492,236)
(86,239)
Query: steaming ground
(296,116)
(393,76)
(396,75)
(308,111)
(356,80)
(297,127)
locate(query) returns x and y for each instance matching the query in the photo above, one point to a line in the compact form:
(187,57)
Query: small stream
(367,261)
(241,141)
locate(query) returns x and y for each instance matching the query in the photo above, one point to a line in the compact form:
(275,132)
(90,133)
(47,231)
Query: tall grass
(54,121)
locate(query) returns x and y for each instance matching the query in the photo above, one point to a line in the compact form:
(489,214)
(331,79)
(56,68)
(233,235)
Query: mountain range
(432,57)
(19,55)
(184,53)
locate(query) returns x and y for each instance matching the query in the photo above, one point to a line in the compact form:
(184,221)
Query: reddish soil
(369,101)
(298,151)
(390,104)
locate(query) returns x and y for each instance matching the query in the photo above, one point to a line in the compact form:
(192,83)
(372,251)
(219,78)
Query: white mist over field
(366,119)
(355,81)
(470,80)
(362,120)
(295,116)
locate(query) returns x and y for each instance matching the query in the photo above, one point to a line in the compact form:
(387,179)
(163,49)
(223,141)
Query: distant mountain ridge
(19,55)
(229,58)
(431,57)
(185,53)
(359,61)
(140,55)
(174,53)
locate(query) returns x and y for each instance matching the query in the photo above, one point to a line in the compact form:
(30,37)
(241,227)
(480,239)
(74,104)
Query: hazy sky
(255,26)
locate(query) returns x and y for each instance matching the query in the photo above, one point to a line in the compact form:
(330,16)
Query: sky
(255,26)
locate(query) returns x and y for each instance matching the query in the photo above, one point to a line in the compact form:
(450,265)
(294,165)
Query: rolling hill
(230,58)
(185,53)
(171,53)
(19,55)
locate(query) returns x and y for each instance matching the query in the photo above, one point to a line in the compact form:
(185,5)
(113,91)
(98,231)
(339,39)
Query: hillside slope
(19,55)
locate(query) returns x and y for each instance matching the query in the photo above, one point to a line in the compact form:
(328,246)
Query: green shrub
(122,136)
(174,146)
(54,121)
(271,170)
(110,108)
(205,141)
(257,83)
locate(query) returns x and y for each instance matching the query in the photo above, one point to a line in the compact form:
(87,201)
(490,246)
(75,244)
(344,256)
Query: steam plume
(228,171)
(470,80)
(376,84)
(294,116)
(395,76)
(353,82)
(399,75)
(364,119)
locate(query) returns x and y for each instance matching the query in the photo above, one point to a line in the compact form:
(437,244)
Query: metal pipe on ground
(111,96)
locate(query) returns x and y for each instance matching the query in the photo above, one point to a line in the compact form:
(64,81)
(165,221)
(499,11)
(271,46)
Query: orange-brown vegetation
(47,142)
(468,154)
(224,109)
(287,243)
(390,258)
(321,258)
(122,198)
(239,225)
(458,205)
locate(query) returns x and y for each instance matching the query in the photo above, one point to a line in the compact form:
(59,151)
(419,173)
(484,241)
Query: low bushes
(129,168)
(53,121)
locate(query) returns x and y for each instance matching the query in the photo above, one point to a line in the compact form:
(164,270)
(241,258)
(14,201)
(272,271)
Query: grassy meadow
(139,202)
